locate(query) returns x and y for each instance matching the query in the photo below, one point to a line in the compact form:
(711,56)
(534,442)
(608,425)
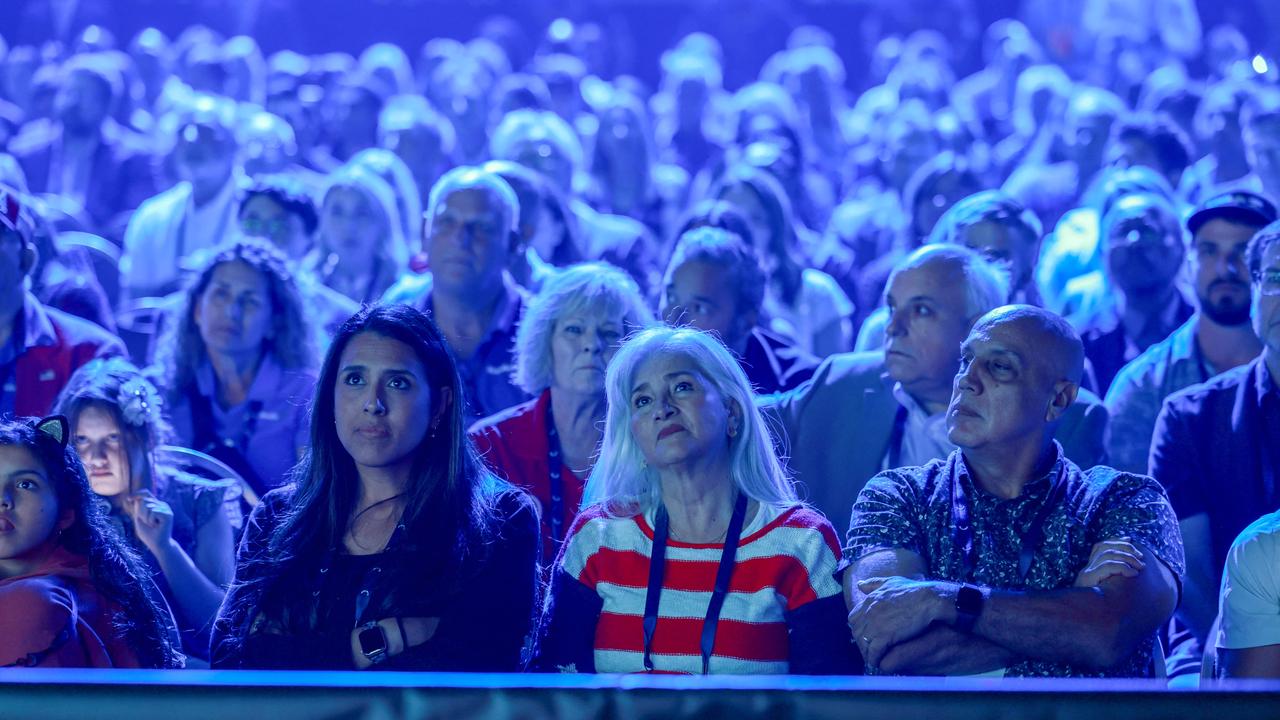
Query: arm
(486,626)
(1093,627)
(568,633)
(196,596)
(938,650)
(1258,662)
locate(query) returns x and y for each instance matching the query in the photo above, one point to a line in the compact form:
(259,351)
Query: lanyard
(1031,539)
(8,405)
(895,438)
(555,468)
(657,563)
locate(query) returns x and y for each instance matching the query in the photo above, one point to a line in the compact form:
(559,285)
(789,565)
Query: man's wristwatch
(373,642)
(969,602)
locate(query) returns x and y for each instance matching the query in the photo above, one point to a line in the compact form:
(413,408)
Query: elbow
(1114,641)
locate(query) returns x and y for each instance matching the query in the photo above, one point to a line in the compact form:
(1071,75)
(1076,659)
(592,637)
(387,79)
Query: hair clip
(56,427)
(139,402)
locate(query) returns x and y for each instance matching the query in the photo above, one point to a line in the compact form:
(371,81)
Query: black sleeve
(569,626)
(486,626)
(819,639)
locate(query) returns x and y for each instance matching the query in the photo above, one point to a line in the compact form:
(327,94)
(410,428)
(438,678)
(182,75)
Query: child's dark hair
(115,569)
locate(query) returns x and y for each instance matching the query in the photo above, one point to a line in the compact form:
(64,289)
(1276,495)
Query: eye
(398,382)
(352,378)
(26,484)
(922,311)
(573,329)
(639,401)
(611,336)
(701,309)
(683,386)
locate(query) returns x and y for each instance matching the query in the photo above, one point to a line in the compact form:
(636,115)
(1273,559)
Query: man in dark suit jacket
(83,156)
(865,412)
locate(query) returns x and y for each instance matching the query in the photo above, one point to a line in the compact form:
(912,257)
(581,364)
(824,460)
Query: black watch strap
(969,602)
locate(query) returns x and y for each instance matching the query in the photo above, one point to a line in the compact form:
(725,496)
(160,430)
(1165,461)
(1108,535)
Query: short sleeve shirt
(1250,596)
(911,508)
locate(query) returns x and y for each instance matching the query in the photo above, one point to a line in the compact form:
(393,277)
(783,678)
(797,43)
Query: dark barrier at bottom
(192,695)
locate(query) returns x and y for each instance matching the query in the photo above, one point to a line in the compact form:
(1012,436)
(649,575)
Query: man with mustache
(986,562)
(1216,448)
(1217,338)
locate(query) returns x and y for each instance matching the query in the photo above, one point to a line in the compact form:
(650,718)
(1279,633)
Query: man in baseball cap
(1217,338)
(40,347)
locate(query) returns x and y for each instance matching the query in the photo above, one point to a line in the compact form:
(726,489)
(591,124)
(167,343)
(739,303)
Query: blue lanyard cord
(1031,539)
(724,574)
(555,467)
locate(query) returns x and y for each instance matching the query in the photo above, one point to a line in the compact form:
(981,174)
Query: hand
(1117,556)
(894,610)
(152,520)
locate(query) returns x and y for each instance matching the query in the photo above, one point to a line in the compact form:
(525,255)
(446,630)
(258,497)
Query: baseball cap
(1242,206)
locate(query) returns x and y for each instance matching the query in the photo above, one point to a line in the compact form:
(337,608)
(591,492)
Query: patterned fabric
(911,509)
(788,558)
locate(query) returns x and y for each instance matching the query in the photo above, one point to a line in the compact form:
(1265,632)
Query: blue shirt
(1140,388)
(1216,450)
(268,439)
(486,375)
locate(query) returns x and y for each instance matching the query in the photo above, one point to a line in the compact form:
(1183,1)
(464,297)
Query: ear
(1064,395)
(56,427)
(735,418)
(443,404)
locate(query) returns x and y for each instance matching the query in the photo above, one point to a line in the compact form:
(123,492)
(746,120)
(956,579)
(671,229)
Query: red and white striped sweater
(788,556)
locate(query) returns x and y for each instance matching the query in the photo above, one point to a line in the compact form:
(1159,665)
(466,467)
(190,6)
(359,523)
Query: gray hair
(596,288)
(986,284)
(524,125)
(623,484)
(469,177)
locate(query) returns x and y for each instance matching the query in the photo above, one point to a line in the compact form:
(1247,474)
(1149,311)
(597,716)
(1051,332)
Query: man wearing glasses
(1216,447)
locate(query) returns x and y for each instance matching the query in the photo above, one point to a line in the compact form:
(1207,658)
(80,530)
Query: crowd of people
(352,362)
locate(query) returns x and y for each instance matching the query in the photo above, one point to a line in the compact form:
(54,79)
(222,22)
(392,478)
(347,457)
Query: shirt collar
(1264,384)
(914,409)
(505,314)
(1034,490)
(265,383)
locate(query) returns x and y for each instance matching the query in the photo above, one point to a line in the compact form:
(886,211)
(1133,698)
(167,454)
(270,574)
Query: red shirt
(55,617)
(514,443)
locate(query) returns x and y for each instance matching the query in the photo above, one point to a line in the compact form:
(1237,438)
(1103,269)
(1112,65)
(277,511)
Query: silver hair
(523,125)
(986,284)
(624,484)
(470,177)
(595,288)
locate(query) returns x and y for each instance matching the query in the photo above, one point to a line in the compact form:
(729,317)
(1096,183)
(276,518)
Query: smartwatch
(969,602)
(373,642)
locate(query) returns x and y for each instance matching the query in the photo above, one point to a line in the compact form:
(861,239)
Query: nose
(967,379)
(663,409)
(373,405)
(97,453)
(897,325)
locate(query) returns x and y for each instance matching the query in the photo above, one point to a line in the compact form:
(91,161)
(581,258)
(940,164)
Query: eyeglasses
(1268,281)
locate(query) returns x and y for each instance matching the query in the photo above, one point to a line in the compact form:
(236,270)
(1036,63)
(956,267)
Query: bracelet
(404,636)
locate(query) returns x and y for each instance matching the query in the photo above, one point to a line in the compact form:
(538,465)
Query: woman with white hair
(693,554)
(565,340)
(360,244)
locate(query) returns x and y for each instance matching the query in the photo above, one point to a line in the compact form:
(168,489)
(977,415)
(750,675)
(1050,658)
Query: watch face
(372,641)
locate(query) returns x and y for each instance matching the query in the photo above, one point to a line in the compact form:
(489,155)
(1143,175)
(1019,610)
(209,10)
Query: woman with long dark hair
(72,594)
(394,548)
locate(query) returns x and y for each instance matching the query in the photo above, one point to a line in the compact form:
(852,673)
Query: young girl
(72,594)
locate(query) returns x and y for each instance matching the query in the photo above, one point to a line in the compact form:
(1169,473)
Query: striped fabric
(787,557)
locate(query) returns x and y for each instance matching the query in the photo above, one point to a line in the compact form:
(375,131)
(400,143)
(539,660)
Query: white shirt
(819,303)
(924,436)
(1249,600)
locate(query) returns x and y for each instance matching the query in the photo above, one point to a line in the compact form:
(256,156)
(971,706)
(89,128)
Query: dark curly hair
(115,569)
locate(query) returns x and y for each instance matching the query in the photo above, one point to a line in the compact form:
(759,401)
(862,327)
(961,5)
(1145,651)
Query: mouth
(962,411)
(373,432)
(6,525)
(670,430)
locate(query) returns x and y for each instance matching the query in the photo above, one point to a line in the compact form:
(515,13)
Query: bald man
(1034,567)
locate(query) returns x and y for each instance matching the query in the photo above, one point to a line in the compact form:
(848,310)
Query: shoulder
(409,288)
(1198,397)
(1142,371)
(33,138)
(802,524)
(513,421)
(78,331)
(163,201)
(858,368)
(1257,545)
(38,599)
